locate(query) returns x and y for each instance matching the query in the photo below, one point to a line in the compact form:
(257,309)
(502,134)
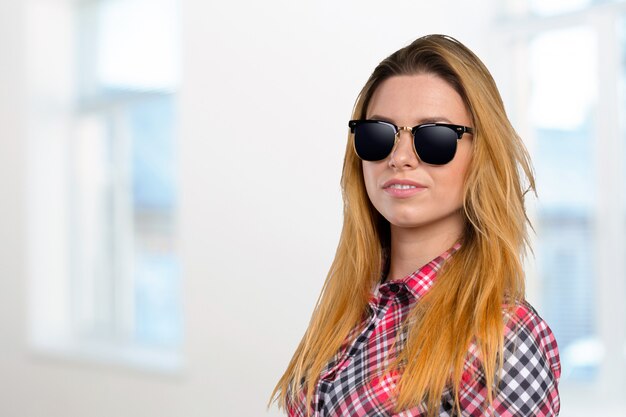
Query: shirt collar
(419,282)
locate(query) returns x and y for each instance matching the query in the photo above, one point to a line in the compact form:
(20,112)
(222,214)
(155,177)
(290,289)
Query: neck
(412,248)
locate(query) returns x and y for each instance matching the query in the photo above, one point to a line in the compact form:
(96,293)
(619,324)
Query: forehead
(411,99)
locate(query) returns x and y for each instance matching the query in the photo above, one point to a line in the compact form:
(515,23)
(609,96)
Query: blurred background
(170,203)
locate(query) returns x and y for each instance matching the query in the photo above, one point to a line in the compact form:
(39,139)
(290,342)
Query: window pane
(137,45)
(563,127)
(543,8)
(157,294)
(552,7)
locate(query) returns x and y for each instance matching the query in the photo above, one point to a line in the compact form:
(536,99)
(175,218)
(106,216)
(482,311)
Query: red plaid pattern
(353,383)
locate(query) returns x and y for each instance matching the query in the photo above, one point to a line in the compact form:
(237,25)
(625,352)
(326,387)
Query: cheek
(370,176)
(450,190)
(452,181)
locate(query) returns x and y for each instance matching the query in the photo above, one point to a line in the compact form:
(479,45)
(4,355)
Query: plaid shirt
(353,383)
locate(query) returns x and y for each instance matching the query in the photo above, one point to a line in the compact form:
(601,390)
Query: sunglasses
(434,143)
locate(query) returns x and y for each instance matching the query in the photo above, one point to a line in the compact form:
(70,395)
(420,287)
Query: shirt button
(394,288)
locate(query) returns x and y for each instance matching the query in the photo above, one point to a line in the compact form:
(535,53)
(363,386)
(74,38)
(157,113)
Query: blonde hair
(466,304)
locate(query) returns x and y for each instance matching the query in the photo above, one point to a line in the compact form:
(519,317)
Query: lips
(401,188)
(402,184)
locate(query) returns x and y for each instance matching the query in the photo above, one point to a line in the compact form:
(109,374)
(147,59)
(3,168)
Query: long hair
(481,281)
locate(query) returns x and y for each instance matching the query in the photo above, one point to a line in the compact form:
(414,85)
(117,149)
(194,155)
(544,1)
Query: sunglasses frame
(460,130)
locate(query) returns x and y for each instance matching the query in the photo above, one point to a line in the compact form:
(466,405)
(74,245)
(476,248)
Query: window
(565,165)
(568,105)
(111,287)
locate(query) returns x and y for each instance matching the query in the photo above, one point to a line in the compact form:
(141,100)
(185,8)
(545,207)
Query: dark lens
(373,141)
(435,145)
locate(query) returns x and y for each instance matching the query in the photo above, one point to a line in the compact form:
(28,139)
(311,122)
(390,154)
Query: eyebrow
(434,119)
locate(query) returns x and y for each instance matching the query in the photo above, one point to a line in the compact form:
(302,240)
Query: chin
(444,219)
(407,217)
(406,222)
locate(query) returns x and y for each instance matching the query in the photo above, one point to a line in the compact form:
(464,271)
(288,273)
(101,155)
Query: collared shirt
(354,382)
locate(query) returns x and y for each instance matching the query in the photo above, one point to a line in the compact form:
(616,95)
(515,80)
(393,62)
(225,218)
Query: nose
(403,153)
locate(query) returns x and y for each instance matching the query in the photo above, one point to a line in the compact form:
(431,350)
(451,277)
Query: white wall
(267,91)
(12,286)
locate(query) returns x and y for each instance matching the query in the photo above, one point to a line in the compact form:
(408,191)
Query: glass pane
(552,7)
(127,45)
(543,8)
(157,279)
(561,111)
(137,45)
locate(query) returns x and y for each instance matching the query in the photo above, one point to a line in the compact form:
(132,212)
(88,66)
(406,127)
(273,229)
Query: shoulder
(528,382)
(528,335)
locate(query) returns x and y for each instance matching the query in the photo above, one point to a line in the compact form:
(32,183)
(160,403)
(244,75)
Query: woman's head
(436,77)
(407,191)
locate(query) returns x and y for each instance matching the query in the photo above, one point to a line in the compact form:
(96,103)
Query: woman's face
(437,196)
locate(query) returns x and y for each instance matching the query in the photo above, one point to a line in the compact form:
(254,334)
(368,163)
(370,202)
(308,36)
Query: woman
(423,310)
